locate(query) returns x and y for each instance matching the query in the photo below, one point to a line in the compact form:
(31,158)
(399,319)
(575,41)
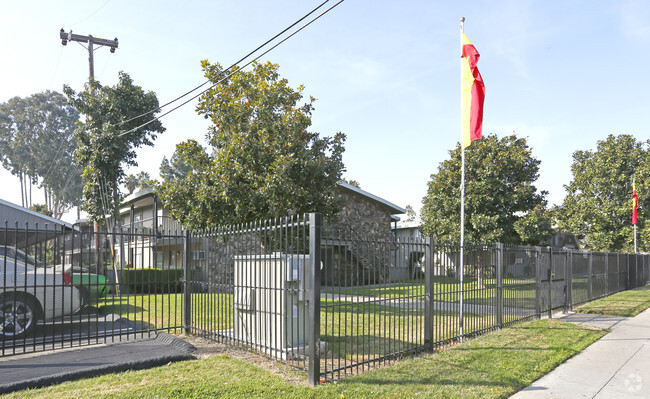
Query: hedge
(152,281)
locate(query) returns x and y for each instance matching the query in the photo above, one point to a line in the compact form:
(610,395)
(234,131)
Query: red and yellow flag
(635,204)
(472,94)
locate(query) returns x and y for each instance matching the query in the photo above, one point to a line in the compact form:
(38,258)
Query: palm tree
(131,183)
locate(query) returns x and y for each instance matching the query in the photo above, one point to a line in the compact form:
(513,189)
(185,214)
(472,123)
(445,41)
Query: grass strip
(626,303)
(495,365)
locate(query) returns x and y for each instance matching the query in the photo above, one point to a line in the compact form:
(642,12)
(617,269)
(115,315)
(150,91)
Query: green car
(92,286)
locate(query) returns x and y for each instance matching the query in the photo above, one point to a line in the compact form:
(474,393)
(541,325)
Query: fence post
(187,277)
(550,282)
(428,296)
(314,297)
(569,280)
(590,278)
(607,285)
(627,272)
(538,282)
(499,285)
(634,274)
(619,268)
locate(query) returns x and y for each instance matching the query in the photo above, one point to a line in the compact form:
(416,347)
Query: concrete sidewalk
(616,366)
(39,369)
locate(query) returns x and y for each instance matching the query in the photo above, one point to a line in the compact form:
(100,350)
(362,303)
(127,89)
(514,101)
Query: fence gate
(554,269)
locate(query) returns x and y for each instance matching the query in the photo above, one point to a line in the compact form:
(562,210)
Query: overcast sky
(564,74)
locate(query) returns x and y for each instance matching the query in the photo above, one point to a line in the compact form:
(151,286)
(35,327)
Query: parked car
(92,286)
(31,292)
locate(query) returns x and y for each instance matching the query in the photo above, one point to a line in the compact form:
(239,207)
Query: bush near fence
(152,281)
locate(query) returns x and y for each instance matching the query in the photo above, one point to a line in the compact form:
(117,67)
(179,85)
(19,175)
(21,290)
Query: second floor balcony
(164,225)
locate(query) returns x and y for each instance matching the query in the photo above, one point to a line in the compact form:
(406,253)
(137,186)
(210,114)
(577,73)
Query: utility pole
(90,41)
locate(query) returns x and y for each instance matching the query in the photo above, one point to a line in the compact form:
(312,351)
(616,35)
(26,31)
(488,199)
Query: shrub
(152,281)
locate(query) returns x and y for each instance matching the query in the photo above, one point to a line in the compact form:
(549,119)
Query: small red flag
(635,204)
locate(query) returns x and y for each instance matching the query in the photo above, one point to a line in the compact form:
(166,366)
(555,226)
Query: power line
(235,63)
(56,68)
(225,77)
(91,14)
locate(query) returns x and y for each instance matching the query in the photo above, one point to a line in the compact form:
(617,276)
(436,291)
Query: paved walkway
(41,369)
(410,303)
(616,366)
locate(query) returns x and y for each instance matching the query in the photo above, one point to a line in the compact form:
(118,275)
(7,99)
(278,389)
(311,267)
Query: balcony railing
(165,224)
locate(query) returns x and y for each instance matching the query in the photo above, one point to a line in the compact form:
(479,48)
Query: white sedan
(30,292)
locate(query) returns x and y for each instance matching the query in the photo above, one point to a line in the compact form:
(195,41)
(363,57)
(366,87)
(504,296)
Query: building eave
(395,210)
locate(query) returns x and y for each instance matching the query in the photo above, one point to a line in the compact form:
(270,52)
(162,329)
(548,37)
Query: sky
(563,74)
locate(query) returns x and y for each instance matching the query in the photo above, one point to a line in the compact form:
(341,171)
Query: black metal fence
(327,301)
(63,288)
(338,302)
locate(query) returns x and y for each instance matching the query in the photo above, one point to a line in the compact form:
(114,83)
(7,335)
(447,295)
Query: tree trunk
(22,189)
(56,207)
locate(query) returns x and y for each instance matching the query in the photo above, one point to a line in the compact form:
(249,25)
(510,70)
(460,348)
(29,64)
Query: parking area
(89,326)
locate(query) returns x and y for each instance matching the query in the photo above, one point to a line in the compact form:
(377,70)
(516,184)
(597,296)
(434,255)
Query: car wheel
(18,316)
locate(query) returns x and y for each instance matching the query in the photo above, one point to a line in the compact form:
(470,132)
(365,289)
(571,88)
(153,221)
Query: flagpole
(462,194)
(634,206)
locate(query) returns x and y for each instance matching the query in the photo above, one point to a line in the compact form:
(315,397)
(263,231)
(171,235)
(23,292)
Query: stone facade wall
(363,216)
(362,233)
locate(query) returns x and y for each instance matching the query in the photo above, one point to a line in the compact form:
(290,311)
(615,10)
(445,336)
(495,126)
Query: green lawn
(626,303)
(166,311)
(363,331)
(516,292)
(353,331)
(495,365)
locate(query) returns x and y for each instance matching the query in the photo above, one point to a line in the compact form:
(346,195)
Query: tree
(410,213)
(598,204)
(501,202)
(142,180)
(536,227)
(264,162)
(119,119)
(41,208)
(36,143)
(131,183)
(176,168)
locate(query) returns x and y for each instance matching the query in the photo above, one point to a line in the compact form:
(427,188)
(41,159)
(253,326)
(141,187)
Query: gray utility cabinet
(271,310)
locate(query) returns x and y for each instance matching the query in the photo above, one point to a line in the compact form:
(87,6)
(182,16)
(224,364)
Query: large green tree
(174,168)
(264,162)
(37,145)
(598,204)
(119,119)
(502,203)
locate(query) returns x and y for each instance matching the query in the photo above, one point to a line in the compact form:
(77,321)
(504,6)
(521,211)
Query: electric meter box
(271,311)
